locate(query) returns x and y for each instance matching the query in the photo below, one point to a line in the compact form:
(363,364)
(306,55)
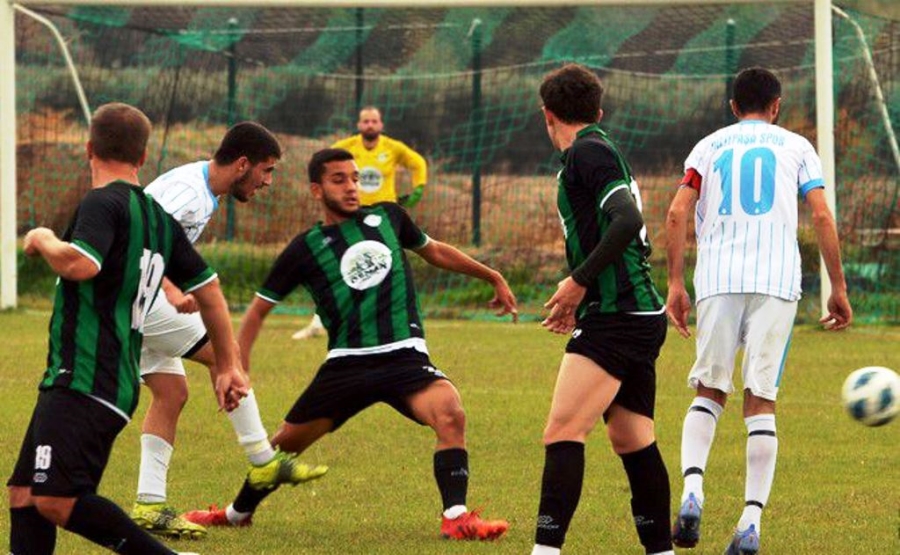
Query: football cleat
(162,520)
(310,331)
(744,543)
(283,469)
(470,526)
(214,516)
(686,531)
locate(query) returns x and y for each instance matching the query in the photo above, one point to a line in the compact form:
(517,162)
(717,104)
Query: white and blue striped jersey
(185,194)
(746,217)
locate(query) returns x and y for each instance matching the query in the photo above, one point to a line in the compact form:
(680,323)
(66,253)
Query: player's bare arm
(450,258)
(65,260)
(678,303)
(231,383)
(185,304)
(251,324)
(840,314)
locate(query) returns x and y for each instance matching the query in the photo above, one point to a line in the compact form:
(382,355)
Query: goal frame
(8,274)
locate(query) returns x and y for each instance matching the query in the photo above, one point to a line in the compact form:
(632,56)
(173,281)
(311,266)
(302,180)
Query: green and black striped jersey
(96,326)
(358,275)
(593,169)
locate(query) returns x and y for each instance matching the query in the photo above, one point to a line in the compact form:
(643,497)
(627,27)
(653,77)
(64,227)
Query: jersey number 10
(757,171)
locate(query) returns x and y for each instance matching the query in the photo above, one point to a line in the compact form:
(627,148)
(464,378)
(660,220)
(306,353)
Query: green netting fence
(460,86)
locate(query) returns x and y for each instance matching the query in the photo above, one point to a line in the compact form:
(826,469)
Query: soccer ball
(872,395)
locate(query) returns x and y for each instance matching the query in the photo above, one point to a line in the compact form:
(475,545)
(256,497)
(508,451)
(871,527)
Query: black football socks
(451,471)
(650,497)
(104,523)
(30,533)
(560,491)
(249,498)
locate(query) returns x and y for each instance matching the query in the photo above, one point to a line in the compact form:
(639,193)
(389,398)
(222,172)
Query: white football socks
(696,441)
(762,452)
(454,512)
(155,456)
(235,517)
(250,431)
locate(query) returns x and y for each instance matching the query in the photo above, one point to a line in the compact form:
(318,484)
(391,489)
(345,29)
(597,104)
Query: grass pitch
(837,487)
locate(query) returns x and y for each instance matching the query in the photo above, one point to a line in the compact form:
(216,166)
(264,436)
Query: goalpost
(8,289)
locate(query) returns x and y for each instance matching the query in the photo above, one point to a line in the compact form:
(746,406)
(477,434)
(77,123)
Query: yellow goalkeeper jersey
(377,167)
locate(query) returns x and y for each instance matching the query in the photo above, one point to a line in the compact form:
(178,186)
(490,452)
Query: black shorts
(346,385)
(626,346)
(67,444)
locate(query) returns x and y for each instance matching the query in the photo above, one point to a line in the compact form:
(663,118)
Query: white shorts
(760,324)
(168,335)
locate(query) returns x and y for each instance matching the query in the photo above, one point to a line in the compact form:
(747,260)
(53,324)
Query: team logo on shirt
(366,264)
(372,220)
(370,179)
(383,157)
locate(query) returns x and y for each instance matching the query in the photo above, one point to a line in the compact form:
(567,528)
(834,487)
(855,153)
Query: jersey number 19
(152,266)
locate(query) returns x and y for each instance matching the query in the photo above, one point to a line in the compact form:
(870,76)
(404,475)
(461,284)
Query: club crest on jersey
(370,179)
(383,157)
(366,264)
(372,220)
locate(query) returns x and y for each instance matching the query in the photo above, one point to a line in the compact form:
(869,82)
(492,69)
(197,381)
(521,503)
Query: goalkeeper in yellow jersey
(377,156)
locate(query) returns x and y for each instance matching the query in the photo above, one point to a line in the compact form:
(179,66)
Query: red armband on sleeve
(691,179)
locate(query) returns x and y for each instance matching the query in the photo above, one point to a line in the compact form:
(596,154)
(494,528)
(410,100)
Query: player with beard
(378,157)
(243,164)
(354,266)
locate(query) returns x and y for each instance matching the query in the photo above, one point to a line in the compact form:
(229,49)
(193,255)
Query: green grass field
(837,488)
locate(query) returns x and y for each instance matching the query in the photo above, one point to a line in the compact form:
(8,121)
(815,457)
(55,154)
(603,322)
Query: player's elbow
(79,271)
(676,216)
(634,224)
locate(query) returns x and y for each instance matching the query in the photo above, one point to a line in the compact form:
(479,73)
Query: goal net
(459,85)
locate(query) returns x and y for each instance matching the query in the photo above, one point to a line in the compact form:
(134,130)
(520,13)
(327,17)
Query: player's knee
(174,399)
(564,430)
(451,420)
(176,396)
(712,394)
(754,404)
(55,509)
(629,433)
(628,441)
(19,496)
(170,391)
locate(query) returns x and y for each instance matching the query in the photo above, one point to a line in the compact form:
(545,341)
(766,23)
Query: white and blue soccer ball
(872,395)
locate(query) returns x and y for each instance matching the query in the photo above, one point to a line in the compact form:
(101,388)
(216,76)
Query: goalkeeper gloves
(410,200)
